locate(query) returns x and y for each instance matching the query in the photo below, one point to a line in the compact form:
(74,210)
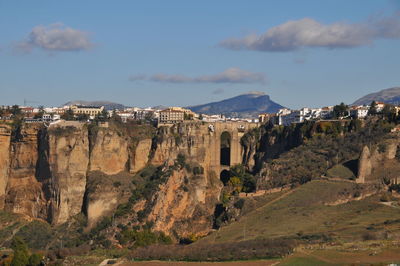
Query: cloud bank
(231,75)
(56,37)
(307,32)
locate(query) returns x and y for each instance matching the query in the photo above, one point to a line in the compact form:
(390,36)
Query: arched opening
(225,176)
(225,158)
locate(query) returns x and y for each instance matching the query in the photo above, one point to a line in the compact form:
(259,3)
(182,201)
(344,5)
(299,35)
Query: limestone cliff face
(379,163)
(104,193)
(24,192)
(5,140)
(109,153)
(140,155)
(68,163)
(195,141)
(185,204)
(57,172)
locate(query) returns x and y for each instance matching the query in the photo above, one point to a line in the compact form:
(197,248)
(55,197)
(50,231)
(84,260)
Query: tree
(21,254)
(389,112)
(35,259)
(340,110)
(115,117)
(372,109)
(187,116)
(82,117)
(40,113)
(15,110)
(149,116)
(68,115)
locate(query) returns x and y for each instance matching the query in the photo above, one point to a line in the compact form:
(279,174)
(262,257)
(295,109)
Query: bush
(21,254)
(239,204)
(35,259)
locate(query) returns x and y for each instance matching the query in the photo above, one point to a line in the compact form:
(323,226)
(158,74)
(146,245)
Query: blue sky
(146,53)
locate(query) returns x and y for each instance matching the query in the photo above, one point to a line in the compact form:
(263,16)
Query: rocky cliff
(379,163)
(5,141)
(59,172)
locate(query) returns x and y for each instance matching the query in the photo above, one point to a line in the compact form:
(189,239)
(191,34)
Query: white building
(359,111)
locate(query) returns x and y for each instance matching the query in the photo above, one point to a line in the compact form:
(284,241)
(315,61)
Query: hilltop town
(173,115)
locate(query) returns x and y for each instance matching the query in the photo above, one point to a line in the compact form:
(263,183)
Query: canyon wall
(54,173)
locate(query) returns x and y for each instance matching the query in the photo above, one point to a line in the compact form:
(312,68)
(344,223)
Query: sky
(179,53)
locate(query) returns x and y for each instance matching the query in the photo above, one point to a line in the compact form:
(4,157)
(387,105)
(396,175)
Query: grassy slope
(303,212)
(10,223)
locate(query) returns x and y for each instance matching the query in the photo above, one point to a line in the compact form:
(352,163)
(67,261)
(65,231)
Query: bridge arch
(225,148)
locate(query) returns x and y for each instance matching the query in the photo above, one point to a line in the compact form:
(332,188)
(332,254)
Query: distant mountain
(160,107)
(246,105)
(107,105)
(391,95)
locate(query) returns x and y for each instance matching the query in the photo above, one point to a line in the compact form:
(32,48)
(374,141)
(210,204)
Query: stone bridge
(226,149)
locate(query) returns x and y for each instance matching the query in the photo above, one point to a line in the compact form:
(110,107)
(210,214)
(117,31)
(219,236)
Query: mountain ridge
(244,105)
(390,95)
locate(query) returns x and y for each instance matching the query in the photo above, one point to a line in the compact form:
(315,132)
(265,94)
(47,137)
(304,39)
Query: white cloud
(231,75)
(308,32)
(56,37)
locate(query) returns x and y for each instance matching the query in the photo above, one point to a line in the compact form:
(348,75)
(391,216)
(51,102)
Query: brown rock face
(140,155)
(68,163)
(185,205)
(24,192)
(5,140)
(104,193)
(109,152)
(379,164)
(364,165)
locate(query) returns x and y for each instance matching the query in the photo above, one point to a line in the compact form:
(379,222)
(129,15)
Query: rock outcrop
(185,204)
(5,140)
(378,163)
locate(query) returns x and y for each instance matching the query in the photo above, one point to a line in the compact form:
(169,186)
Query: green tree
(340,110)
(15,110)
(35,259)
(389,112)
(372,109)
(68,115)
(115,117)
(21,253)
(187,116)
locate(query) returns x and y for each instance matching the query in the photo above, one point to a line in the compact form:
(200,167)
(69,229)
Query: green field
(302,213)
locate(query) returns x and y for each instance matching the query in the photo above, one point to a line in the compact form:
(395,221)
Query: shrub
(35,259)
(21,254)
(239,204)
(36,234)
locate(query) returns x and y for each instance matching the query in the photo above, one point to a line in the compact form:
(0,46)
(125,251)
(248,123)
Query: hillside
(107,105)
(312,211)
(245,105)
(391,95)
